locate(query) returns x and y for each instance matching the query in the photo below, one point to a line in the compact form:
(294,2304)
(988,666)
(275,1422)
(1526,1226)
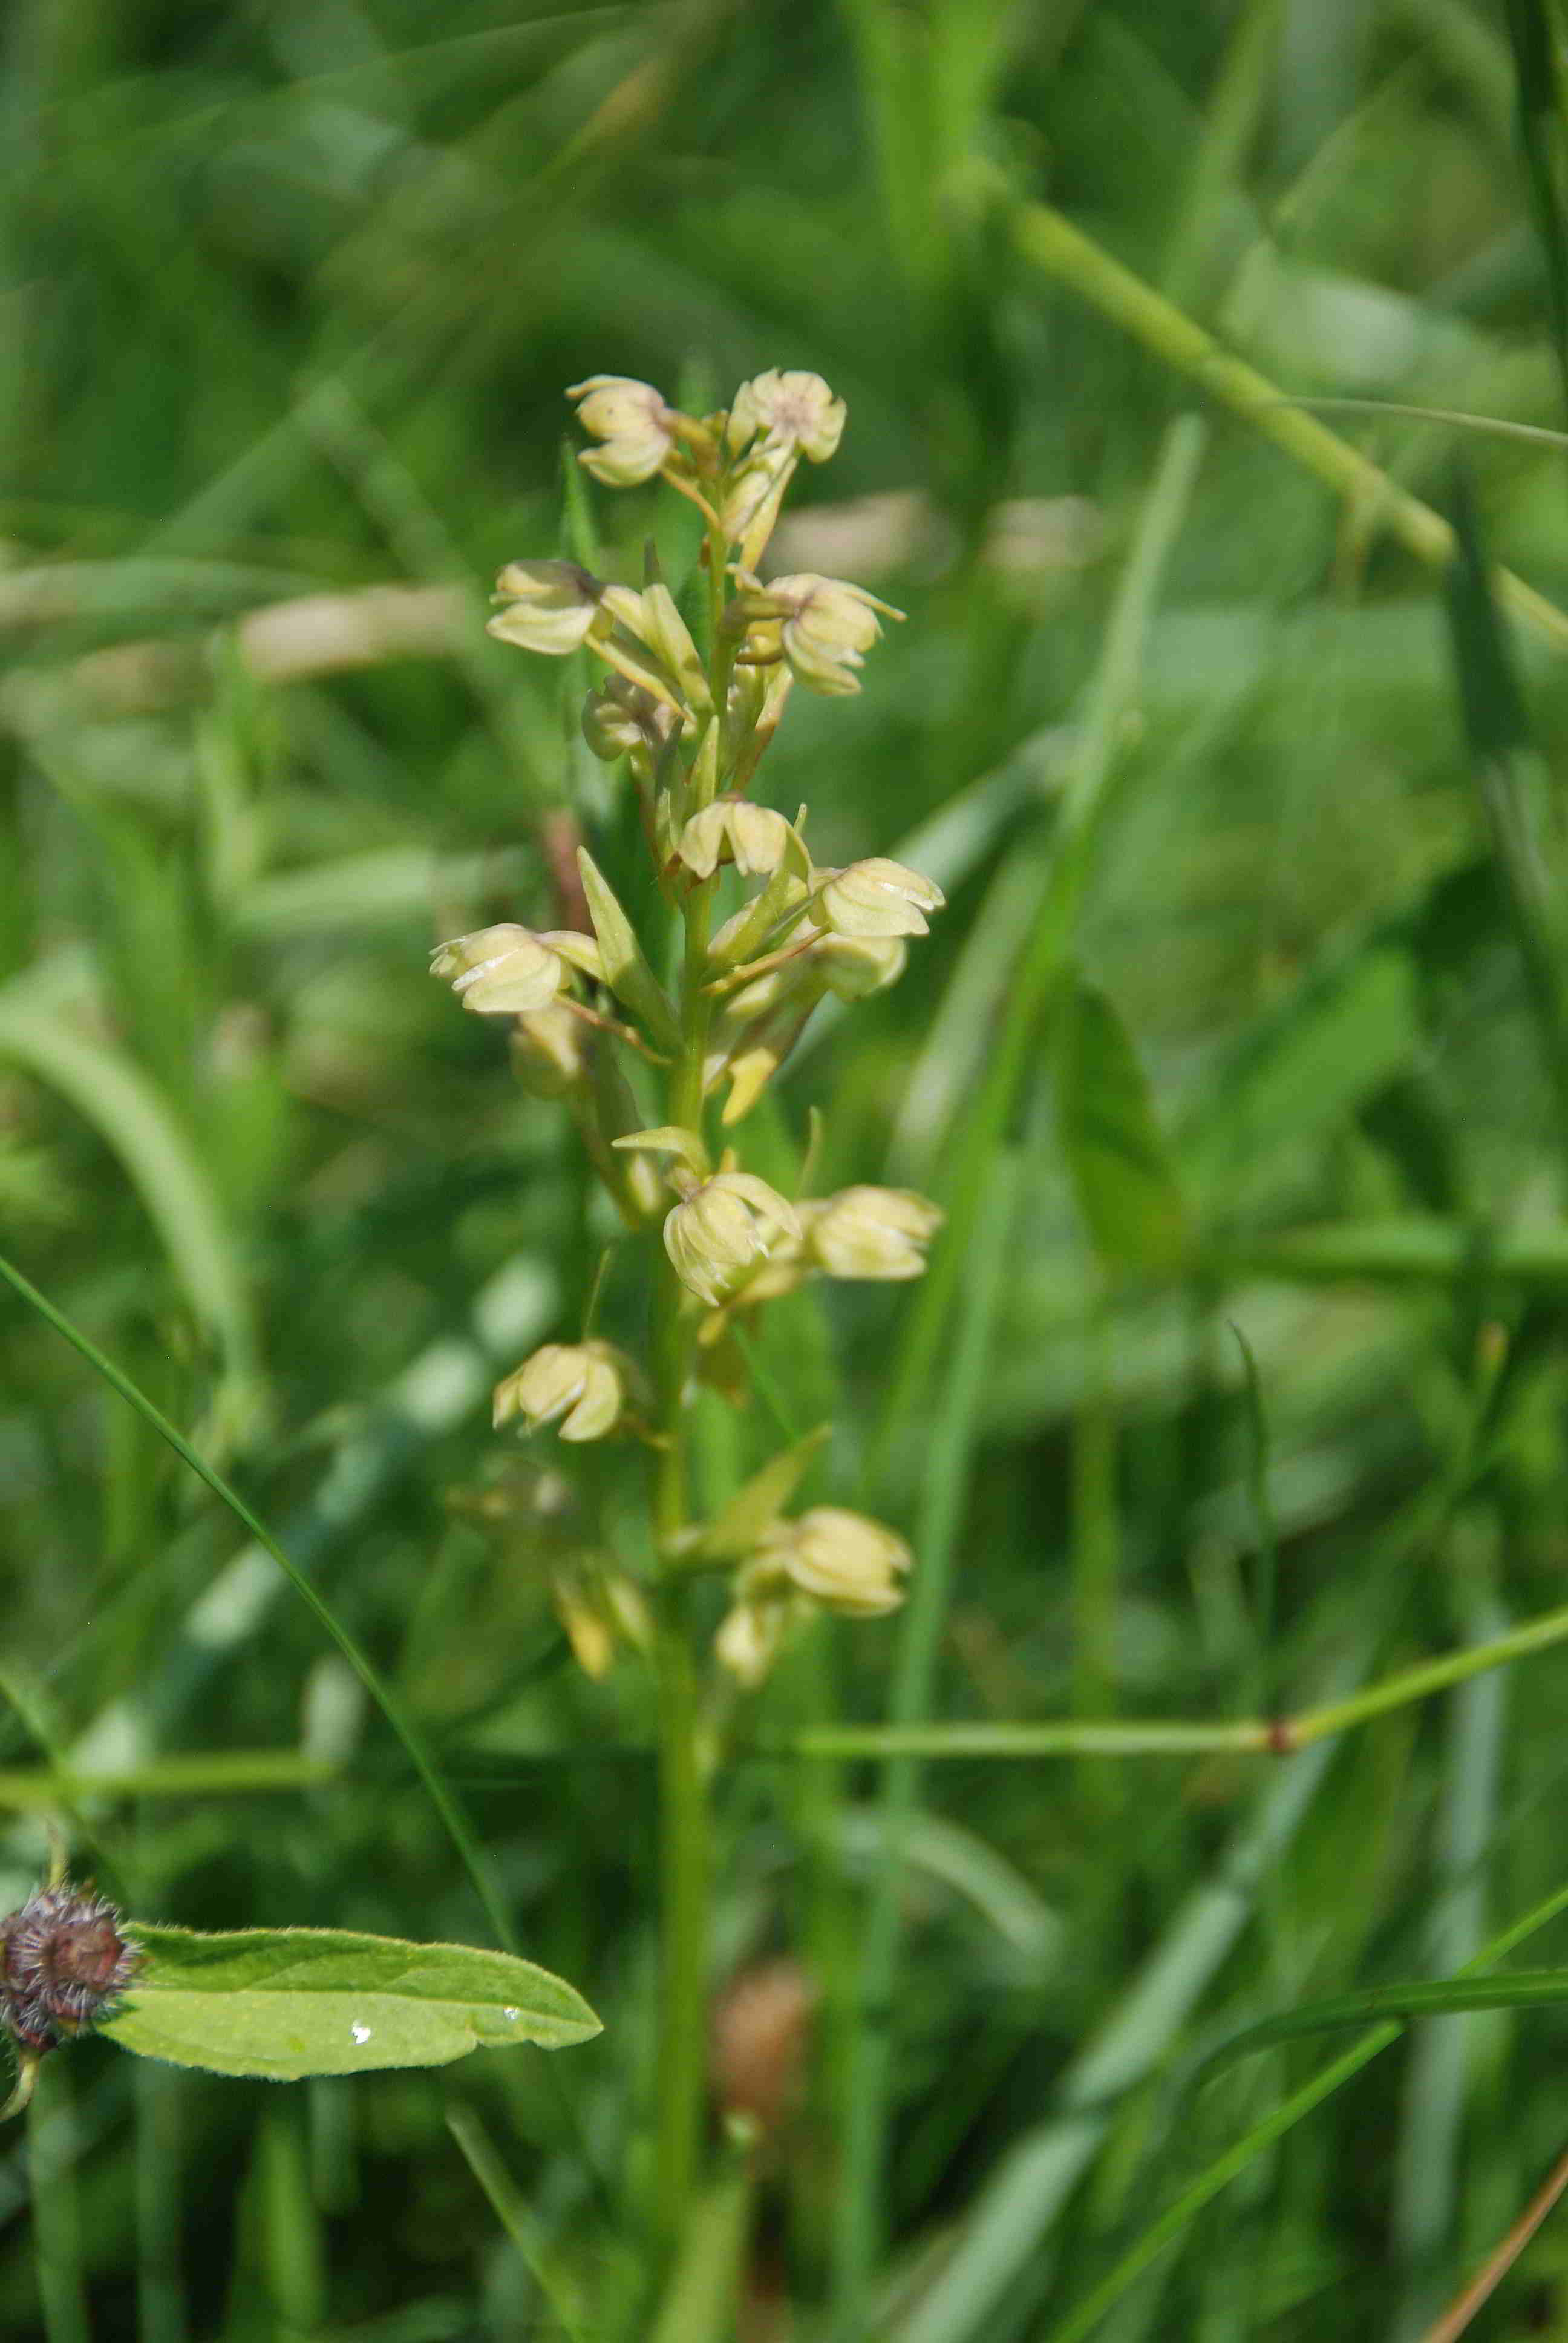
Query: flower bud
(582,1387)
(790,407)
(843,1560)
(878,898)
(549,1051)
(733,830)
(720,1228)
(871,1232)
(825,628)
(854,967)
(552,606)
(750,1636)
(621,719)
(65,1961)
(632,419)
(504,971)
(600,1610)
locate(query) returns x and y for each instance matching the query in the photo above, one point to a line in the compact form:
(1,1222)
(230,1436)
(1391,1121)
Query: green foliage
(1212,716)
(1116,1156)
(286,2003)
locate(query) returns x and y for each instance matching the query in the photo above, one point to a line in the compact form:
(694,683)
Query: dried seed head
(64,1963)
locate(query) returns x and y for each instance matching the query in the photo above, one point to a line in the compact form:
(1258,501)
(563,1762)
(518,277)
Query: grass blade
(1274,2126)
(1513,785)
(1532,38)
(389,1703)
(515,2216)
(866,2113)
(1045,959)
(160,1162)
(1050,243)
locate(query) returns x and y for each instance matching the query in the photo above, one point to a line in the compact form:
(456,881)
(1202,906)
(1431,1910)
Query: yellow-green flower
(504,971)
(733,830)
(552,607)
(871,1232)
(582,1388)
(790,409)
(825,628)
(721,1227)
(877,896)
(842,1558)
(751,1633)
(632,419)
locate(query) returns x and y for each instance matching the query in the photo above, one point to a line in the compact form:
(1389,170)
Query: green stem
(223,1774)
(1168,1738)
(685,1825)
(1050,243)
(1064,1737)
(52,2147)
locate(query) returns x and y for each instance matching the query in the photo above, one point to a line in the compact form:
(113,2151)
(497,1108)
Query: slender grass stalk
(51,2151)
(1533,35)
(1050,243)
(1046,954)
(160,2283)
(1031,2186)
(513,2213)
(1460,2312)
(1428,2175)
(1515,789)
(1168,1738)
(861,2197)
(1218,2175)
(1064,1737)
(1241,93)
(698,2306)
(1096,1545)
(226,1773)
(389,1702)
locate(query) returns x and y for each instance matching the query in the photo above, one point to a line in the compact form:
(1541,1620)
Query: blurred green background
(292,291)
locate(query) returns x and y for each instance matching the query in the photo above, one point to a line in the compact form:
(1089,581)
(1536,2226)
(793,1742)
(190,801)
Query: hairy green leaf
(290,2002)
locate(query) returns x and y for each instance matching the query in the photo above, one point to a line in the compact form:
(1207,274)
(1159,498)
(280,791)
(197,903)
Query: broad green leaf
(1339,1035)
(627,972)
(290,2002)
(1116,1156)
